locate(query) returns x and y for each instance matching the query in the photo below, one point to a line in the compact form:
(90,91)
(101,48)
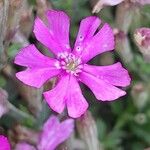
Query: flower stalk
(87,130)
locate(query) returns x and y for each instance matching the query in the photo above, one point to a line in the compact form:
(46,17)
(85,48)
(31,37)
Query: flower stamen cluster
(70,63)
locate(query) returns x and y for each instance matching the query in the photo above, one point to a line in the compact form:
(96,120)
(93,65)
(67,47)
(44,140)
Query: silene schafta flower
(53,133)
(70,65)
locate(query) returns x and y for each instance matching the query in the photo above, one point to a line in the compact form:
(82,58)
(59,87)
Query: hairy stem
(87,129)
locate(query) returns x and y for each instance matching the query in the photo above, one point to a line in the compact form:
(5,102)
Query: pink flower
(55,133)
(24,146)
(4,144)
(69,65)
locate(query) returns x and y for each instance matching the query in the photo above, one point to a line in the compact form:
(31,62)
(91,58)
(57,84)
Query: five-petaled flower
(53,133)
(69,65)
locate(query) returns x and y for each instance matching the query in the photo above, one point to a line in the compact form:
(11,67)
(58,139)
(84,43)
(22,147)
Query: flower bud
(140,95)
(140,118)
(123,46)
(3,102)
(142,39)
(87,129)
(101,3)
(141,2)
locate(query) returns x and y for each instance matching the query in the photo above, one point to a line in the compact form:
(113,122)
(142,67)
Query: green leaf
(13,49)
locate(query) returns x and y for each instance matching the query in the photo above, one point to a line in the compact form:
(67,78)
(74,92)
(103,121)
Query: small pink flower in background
(102,3)
(141,2)
(24,146)
(142,39)
(69,65)
(4,144)
(54,133)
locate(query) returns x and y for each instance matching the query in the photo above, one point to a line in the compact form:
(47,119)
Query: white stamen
(57,65)
(70,63)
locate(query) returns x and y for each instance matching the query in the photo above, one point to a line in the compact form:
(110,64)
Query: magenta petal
(101,42)
(113,74)
(76,103)
(65,129)
(4,144)
(51,122)
(24,146)
(101,89)
(48,132)
(56,36)
(56,97)
(59,23)
(55,133)
(36,77)
(88,27)
(30,57)
(40,68)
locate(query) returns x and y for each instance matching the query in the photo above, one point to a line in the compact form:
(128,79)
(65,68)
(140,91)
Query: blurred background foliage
(123,124)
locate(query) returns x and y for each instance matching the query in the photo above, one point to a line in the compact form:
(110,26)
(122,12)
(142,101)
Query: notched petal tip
(76,103)
(101,42)
(56,96)
(17,59)
(37,23)
(54,118)
(22,77)
(109,30)
(79,113)
(125,74)
(91,19)
(69,123)
(55,35)
(115,97)
(40,68)
(102,90)
(56,108)
(57,12)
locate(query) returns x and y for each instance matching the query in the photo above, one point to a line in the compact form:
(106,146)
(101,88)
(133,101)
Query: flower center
(70,63)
